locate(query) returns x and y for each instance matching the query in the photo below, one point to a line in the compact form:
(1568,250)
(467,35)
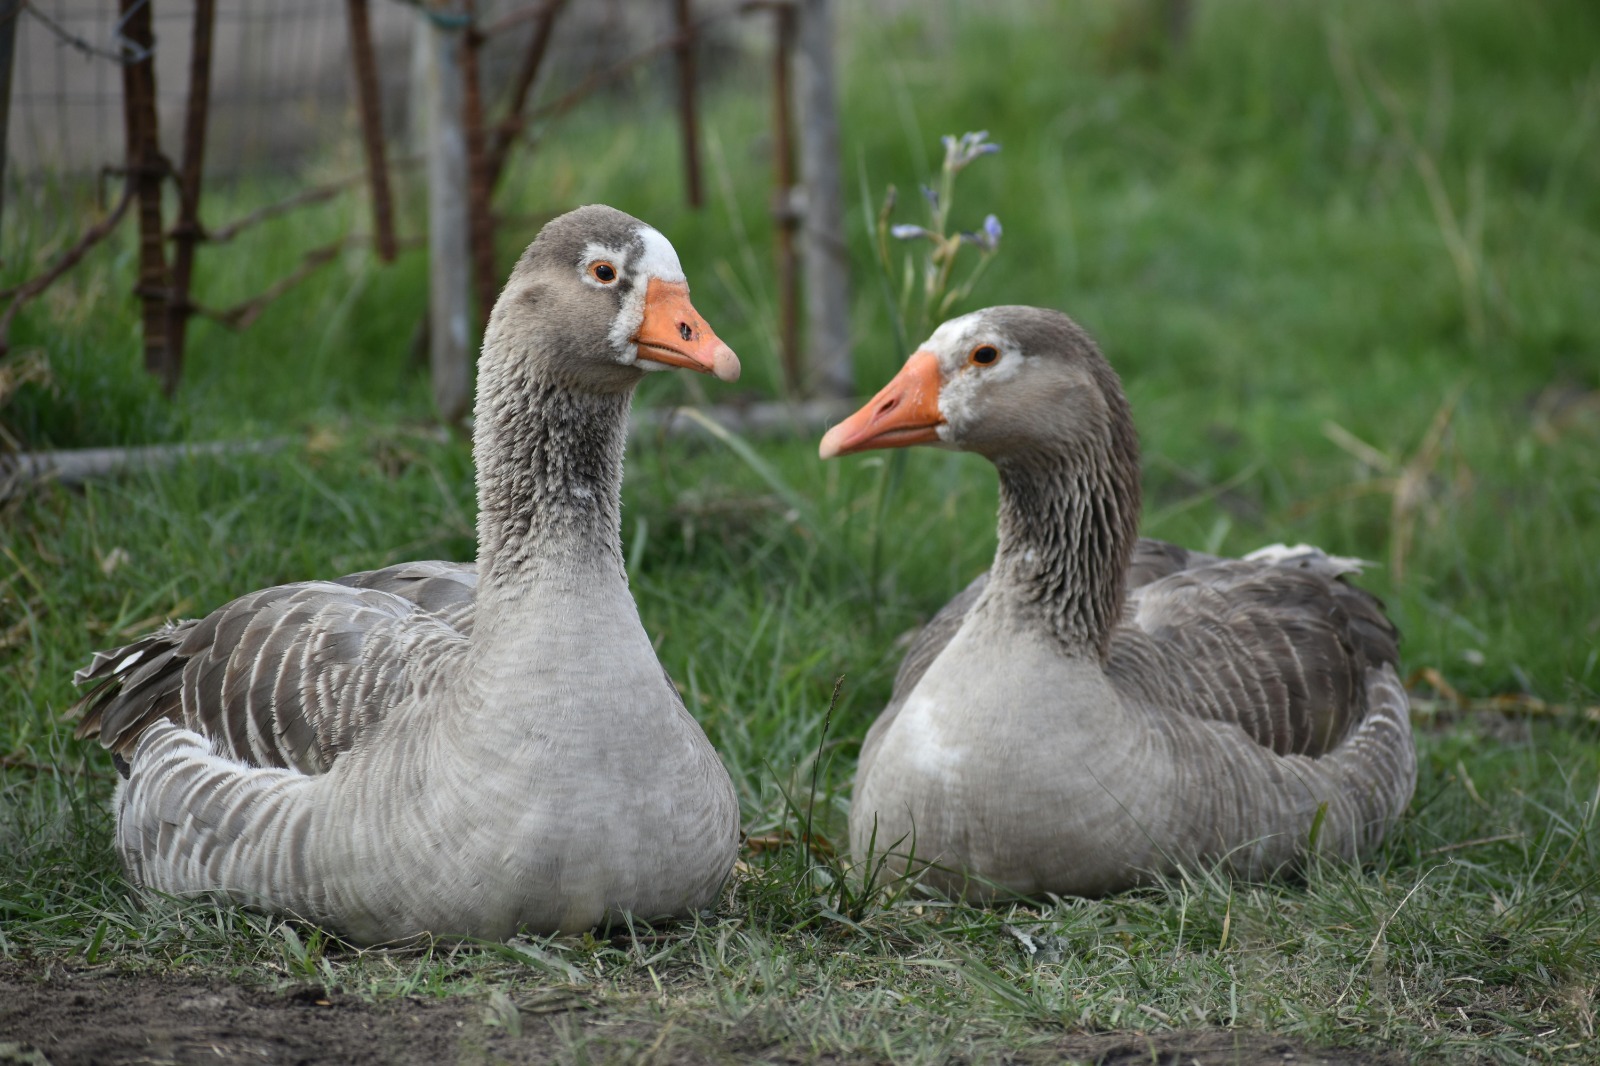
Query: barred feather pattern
(413,750)
(286,677)
(1241,712)
(1270,686)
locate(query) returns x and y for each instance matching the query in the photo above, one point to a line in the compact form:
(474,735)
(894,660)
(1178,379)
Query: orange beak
(673,333)
(905,412)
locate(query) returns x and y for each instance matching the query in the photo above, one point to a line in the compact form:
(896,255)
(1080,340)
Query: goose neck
(549,476)
(1066,533)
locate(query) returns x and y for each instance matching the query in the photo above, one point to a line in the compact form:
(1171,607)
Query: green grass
(1317,222)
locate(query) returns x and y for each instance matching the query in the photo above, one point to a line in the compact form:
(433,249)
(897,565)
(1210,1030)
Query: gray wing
(446,590)
(288,676)
(1155,559)
(1278,644)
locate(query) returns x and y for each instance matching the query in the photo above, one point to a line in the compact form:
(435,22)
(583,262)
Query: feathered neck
(549,472)
(1069,518)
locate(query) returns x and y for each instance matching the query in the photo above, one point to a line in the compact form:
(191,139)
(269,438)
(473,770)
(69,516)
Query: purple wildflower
(905,232)
(959,152)
(988,238)
(930,194)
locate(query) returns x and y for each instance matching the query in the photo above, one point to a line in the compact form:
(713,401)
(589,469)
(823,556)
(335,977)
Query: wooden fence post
(480,215)
(187,232)
(368,97)
(687,117)
(146,170)
(827,262)
(449,273)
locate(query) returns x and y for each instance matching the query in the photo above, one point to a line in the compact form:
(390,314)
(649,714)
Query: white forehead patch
(660,259)
(951,336)
(953,343)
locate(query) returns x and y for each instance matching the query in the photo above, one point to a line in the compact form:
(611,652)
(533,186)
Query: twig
(316,194)
(241,315)
(532,60)
(527,13)
(148,170)
(186,231)
(621,66)
(17,762)
(68,259)
(1502,838)
(688,112)
(67,37)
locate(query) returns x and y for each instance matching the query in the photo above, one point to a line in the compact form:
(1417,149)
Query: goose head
(1027,389)
(1005,382)
(599,299)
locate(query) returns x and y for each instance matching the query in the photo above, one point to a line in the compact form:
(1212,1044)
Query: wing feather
(285,677)
(1279,643)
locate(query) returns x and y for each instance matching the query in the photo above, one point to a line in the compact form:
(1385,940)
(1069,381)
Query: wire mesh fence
(281,88)
(177,98)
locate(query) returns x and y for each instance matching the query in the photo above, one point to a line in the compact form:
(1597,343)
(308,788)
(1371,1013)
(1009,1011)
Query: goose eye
(984,355)
(603,272)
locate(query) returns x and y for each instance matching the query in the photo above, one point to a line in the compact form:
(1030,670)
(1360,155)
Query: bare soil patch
(66,1017)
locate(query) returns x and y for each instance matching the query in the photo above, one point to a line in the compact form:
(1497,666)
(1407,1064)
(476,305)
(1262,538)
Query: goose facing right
(442,748)
(1098,709)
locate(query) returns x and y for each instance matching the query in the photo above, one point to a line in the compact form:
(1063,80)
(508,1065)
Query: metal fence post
(785,216)
(449,273)
(826,259)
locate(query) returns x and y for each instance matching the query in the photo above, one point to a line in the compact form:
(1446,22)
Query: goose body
(1098,709)
(456,749)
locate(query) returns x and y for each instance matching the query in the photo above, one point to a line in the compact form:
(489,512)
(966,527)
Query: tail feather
(133,686)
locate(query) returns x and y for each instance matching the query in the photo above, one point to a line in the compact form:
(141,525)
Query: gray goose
(442,748)
(1099,709)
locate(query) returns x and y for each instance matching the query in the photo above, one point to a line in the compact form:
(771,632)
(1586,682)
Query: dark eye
(604,272)
(984,355)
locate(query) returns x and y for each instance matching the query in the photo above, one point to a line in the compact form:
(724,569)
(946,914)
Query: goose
(1099,710)
(448,749)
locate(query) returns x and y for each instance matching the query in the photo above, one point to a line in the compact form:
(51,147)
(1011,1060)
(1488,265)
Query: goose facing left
(1099,708)
(437,747)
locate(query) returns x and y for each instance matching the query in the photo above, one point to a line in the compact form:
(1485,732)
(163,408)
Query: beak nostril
(889,405)
(684,331)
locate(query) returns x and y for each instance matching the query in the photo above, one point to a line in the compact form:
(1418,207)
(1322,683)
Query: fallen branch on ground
(19,471)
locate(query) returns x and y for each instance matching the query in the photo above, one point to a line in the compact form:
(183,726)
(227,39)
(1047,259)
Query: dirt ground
(67,1017)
